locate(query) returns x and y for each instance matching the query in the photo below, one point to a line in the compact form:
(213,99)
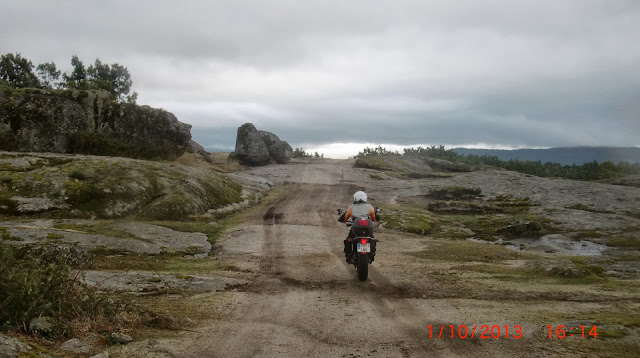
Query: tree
(121,81)
(300,153)
(49,75)
(78,77)
(17,71)
(113,78)
(99,75)
(132,98)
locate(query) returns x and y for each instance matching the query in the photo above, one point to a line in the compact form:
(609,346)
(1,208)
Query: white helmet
(359,197)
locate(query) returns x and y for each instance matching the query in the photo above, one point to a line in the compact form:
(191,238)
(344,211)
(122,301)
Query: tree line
(301,153)
(18,72)
(587,171)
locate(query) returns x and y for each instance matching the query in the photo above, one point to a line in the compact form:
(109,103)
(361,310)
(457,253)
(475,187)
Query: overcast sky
(476,73)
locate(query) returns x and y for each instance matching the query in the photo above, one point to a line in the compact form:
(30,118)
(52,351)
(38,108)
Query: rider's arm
(348,214)
(372,214)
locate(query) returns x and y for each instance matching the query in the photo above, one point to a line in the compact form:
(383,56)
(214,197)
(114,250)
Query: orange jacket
(361,211)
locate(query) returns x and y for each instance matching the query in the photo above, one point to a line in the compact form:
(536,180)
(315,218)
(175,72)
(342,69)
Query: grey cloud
(534,73)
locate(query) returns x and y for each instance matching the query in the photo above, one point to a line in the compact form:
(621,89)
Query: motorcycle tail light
(363,241)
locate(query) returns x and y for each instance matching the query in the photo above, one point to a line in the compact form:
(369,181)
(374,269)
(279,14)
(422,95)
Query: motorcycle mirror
(378,210)
(339,211)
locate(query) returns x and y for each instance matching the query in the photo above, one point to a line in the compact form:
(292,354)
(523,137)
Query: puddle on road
(552,244)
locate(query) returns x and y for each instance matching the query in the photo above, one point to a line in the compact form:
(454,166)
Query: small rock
(104,354)
(74,345)
(11,347)
(121,338)
(153,342)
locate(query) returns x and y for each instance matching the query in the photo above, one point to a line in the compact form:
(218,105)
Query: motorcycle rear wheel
(363,266)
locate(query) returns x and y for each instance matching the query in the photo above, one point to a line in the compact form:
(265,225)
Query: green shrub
(5,235)
(77,175)
(371,163)
(31,285)
(630,243)
(38,281)
(54,236)
(301,153)
(579,206)
(454,193)
(380,151)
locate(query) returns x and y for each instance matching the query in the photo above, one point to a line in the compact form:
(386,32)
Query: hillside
(564,156)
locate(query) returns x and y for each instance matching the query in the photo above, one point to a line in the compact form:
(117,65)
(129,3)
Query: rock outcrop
(196,148)
(11,347)
(255,147)
(66,185)
(88,122)
(76,346)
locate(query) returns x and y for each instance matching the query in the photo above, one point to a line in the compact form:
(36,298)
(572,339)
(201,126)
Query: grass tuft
(628,242)
(465,251)
(78,175)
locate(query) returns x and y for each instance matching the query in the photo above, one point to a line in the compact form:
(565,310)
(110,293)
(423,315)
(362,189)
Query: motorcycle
(363,245)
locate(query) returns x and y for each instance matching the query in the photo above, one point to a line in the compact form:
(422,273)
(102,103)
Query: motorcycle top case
(362,228)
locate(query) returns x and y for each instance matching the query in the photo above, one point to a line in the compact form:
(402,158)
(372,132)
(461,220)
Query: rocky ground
(77,186)
(480,248)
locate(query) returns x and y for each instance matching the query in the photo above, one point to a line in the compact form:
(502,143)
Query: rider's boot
(348,249)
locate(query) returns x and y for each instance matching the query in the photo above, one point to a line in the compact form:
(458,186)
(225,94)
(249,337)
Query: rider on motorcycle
(359,210)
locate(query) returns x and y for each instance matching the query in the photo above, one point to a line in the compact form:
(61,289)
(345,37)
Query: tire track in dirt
(378,288)
(303,302)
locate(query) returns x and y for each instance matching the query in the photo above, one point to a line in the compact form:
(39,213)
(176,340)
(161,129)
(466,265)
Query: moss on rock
(62,186)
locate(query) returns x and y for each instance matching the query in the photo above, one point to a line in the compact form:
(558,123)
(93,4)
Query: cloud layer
(504,73)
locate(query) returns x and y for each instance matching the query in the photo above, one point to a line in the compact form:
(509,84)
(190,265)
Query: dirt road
(304,300)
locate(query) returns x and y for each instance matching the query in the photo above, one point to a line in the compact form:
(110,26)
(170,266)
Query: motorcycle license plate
(364,247)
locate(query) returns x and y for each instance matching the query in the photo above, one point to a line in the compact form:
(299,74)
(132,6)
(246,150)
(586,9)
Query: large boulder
(268,138)
(250,146)
(88,122)
(281,152)
(256,147)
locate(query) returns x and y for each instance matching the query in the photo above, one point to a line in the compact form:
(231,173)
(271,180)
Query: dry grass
(467,251)
(219,162)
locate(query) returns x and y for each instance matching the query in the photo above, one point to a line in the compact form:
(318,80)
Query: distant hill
(564,156)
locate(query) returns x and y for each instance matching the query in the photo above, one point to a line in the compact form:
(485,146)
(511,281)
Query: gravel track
(306,301)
